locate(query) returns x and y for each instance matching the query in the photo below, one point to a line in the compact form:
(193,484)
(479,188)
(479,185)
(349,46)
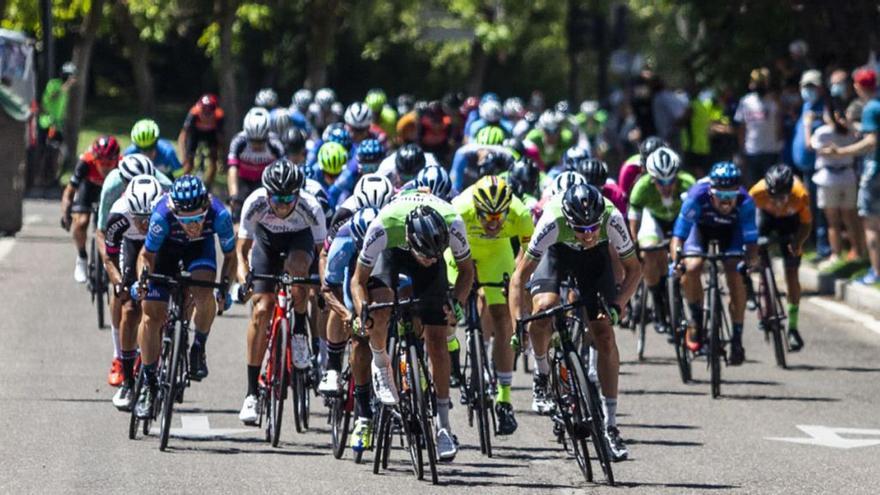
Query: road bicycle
(768,301)
(97,282)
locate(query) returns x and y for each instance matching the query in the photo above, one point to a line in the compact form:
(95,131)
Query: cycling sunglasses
(492,217)
(192,219)
(725,195)
(587,229)
(665,182)
(283,198)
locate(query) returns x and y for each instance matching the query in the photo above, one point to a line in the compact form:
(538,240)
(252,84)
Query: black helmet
(283,177)
(426,232)
(294,140)
(648,146)
(493,163)
(583,204)
(409,160)
(780,179)
(593,169)
(524,177)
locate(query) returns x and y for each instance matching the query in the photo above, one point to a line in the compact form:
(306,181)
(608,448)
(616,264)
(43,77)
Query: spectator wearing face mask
(839,85)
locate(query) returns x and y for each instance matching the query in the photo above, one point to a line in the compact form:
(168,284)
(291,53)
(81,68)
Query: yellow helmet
(492,195)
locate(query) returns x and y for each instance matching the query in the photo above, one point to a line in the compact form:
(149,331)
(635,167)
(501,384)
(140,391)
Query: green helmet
(491,134)
(375,100)
(145,133)
(332,157)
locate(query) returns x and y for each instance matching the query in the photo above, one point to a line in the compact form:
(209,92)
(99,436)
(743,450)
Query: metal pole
(48,41)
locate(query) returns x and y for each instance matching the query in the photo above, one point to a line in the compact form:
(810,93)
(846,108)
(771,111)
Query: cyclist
(573,236)
(299,108)
(384,117)
(634,166)
(596,173)
(145,140)
(126,230)
(402,166)
(435,180)
(321,112)
(491,113)
(282,230)
(295,144)
(783,205)
(494,217)
(551,137)
(250,151)
(359,122)
(83,191)
(654,203)
(203,124)
(409,236)
(526,181)
(716,209)
(332,158)
(479,158)
(182,229)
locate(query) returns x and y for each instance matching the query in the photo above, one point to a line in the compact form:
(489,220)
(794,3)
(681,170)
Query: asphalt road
(59,432)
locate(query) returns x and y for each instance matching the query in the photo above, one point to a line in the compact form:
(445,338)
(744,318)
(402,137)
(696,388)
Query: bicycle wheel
(477,393)
(418,380)
(641,321)
(168,385)
(715,349)
(133,422)
(589,409)
(576,434)
(382,438)
(340,414)
(300,399)
(276,375)
(774,306)
(678,325)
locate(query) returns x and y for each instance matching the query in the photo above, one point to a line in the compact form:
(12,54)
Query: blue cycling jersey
(697,210)
(478,124)
(164,227)
(340,262)
(166,158)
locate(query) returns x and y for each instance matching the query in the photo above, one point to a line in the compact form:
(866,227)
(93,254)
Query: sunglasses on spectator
(725,195)
(191,219)
(586,229)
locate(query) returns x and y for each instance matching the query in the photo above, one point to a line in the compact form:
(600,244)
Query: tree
(138,56)
(322,24)
(82,57)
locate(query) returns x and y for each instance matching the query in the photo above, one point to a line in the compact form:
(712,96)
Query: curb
(811,279)
(858,296)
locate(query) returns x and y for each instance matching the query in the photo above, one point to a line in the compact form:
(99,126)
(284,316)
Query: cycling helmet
(145,133)
(489,135)
(426,232)
(208,102)
(294,140)
(490,111)
(140,194)
(332,157)
(405,103)
(370,151)
(325,97)
(283,177)
(490,96)
(375,100)
(648,146)
(135,164)
(779,179)
(373,190)
(663,164)
(549,121)
(583,205)
(189,194)
(68,69)
(301,99)
(589,107)
(493,163)
(515,146)
(360,222)
(524,177)
(513,108)
(280,121)
(563,107)
(565,181)
(337,109)
(337,133)
(724,174)
(592,169)
(435,179)
(105,148)
(492,196)
(572,155)
(256,124)
(266,98)
(359,116)
(409,160)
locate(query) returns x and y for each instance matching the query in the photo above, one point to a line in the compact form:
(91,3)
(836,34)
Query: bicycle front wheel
(641,322)
(169,385)
(340,415)
(276,374)
(715,348)
(589,409)
(478,395)
(419,383)
(775,315)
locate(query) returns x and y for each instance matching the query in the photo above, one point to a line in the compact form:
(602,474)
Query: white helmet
(513,108)
(256,123)
(141,193)
(490,111)
(301,99)
(550,121)
(325,97)
(280,121)
(373,190)
(565,180)
(663,164)
(135,164)
(358,115)
(266,98)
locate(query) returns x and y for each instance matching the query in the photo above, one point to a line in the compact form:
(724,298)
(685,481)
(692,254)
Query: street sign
(827,436)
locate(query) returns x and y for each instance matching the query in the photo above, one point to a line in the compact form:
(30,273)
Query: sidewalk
(858,296)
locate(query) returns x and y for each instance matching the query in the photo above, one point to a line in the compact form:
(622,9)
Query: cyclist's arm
(359,293)
(109,245)
(181,145)
(525,267)
(747,216)
(226,236)
(632,275)
(242,249)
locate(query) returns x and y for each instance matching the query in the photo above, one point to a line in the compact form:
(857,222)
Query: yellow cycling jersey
(518,222)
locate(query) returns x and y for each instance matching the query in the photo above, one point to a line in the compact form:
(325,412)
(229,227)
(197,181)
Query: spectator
(706,118)
(669,110)
(760,126)
(836,180)
(839,86)
(53,111)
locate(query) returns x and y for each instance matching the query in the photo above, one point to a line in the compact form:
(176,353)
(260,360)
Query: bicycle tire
(775,320)
(477,393)
(678,327)
(134,422)
(168,385)
(642,322)
(340,415)
(416,370)
(578,441)
(277,384)
(379,438)
(300,400)
(714,339)
(586,404)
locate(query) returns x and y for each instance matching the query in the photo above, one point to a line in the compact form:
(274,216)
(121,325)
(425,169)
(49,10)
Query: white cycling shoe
(249,410)
(383,384)
(447,445)
(329,383)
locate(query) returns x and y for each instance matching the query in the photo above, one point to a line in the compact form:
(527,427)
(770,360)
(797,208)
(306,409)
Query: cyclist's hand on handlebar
(612,315)
(674,269)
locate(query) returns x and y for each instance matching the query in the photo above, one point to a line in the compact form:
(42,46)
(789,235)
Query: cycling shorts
(197,255)
(429,282)
(128,257)
(492,264)
(782,229)
(729,239)
(195,136)
(653,231)
(590,268)
(245,188)
(271,250)
(87,195)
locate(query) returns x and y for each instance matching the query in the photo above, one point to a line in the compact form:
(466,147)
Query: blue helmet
(724,174)
(189,194)
(436,179)
(337,133)
(370,151)
(490,96)
(360,222)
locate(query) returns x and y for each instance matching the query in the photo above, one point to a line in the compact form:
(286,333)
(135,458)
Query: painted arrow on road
(198,427)
(827,436)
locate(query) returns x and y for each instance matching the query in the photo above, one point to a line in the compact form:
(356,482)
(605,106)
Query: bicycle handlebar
(550,312)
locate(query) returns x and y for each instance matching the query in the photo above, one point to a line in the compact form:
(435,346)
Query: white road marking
(198,427)
(841,309)
(827,436)
(6,244)
(32,219)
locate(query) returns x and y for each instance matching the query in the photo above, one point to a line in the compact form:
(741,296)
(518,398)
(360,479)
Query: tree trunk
(478,63)
(321,42)
(226,67)
(82,57)
(138,55)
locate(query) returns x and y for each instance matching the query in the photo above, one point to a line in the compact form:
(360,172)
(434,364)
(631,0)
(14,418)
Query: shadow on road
(691,486)
(660,427)
(665,443)
(779,398)
(767,383)
(850,369)
(661,392)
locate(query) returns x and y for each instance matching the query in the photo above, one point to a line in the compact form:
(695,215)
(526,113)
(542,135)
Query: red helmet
(106,148)
(208,101)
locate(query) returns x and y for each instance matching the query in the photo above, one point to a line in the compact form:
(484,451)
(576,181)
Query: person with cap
(759,125)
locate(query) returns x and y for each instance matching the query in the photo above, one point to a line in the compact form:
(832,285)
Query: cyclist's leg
(210,164)
(81,213)
(495,314)
(191,144)
(130,311)
(691,281)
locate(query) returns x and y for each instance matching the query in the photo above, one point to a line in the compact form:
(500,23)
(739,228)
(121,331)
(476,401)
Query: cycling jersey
(317,190)
(630,172)
(339,218)
(474,127)
(199,122)
(388,168)
(166,230)
(120,225)
(553,229)
(797,202)
(249,161)
(114,187)
(699,217)
(86,169)
(551,154)
(341,256)
(646,197)
(612,192)
(258,219)
(464,171)
(163,155)
(388,230)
